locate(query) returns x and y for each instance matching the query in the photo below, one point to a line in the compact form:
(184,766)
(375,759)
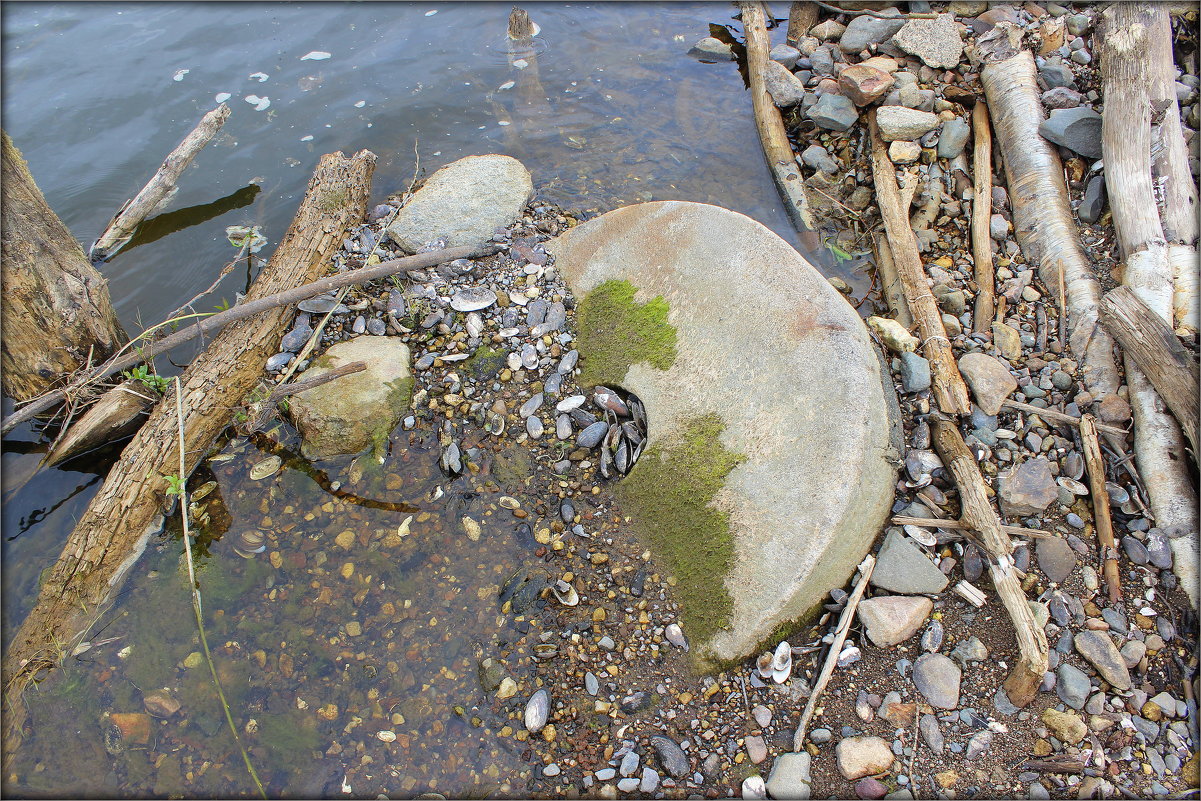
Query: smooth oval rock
(463,202)
(472,298)
(892,619)
(348,415)
(537,711)
(671,756)
(937,678)
(791,384)
(862,756)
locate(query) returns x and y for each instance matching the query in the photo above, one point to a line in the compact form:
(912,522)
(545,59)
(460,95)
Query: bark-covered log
(117,413)
(1123,47)
(55,305)
(126,221)
(1042,219)
(113,531)
(802,16)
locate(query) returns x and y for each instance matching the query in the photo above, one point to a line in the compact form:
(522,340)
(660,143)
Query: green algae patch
(485,364)
(668,497)
(615,332)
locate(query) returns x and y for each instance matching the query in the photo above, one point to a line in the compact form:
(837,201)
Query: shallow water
(92,101)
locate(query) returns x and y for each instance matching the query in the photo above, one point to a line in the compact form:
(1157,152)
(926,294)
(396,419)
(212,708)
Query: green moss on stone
(668,496)
(616,332)
(484,364)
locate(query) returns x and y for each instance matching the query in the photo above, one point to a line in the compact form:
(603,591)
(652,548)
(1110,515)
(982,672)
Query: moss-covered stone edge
(668,497)
(615,331)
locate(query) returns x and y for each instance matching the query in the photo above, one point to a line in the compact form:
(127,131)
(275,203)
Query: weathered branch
(1059,417)
(890,282)
(776,148)
(1146,338)
(981,213)
(802,16)
(1095,466)
(243,310)
(126,221)
(1024,679)
(949,390)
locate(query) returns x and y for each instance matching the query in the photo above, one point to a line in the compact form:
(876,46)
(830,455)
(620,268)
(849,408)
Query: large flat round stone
(766,475)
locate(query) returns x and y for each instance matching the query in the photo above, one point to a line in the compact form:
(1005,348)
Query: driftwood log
(1146,338)
(772,135)
(1042,219)
(113,531)
(126,221)
(117,413)
(802,16)
(949,391)
(981,213)
(1176,191)
(248,308)
(1023,681)
(56,308)
(1132,97)
(890,282)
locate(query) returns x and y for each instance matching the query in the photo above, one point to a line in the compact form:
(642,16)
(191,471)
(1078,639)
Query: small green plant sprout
(223,305)
(143,374)
(175,485)
(243,236)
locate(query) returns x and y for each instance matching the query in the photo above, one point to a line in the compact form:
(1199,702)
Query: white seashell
(849,656)
(922,535)
(475,324)
(781,663)
(565,593)
(675,636)
(763,664)
(472,298)
(265,468)
(514,361)
(1072,484)
(537,711)
(753,787)
(386,736)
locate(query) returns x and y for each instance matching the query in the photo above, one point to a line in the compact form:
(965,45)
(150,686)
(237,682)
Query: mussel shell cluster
(623,435)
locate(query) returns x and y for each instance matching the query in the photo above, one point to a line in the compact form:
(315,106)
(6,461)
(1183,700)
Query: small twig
(959,525)
(844,625)
(1060,417)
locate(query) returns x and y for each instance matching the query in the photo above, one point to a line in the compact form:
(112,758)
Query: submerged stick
(844,625)
(242,311)
(772,135)
(981,213)
(121,228)
(1096,484)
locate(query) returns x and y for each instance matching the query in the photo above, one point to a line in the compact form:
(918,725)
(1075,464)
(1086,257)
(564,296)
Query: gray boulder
(782,454)
(815,156)
(865,30)
(952,139)
(1078,129)
(834,113)
(902,567)
(463,202)
(786,55)
(785,88)
(935,41)
(357,410)
(904,124)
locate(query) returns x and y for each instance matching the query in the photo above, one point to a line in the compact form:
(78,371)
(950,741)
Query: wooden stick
(1157,351)
(890,282)
(1024,679)
(121,228)
(114,530)
(258,412)
(772,136)
(935,522)
(981,214)
(801,17)
(949,390)
(840,635)
(1060,417)
(1064,765)
(1095,466)
(242,311)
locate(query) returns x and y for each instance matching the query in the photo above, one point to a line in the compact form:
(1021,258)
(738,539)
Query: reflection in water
(157,227)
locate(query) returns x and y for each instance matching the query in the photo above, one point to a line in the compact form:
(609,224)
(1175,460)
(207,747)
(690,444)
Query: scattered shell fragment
(781,663)
(472,298)
(565,593)
(249,543)
(267,467)
(1072,485)
(763,664)
(922,535)
(386,736)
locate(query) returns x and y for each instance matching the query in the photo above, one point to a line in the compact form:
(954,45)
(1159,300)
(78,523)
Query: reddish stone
(863,84)
(870,788)
(133,726)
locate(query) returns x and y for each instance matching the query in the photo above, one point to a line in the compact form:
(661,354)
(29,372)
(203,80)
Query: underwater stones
(463,202)
(350,413)
(779,527)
